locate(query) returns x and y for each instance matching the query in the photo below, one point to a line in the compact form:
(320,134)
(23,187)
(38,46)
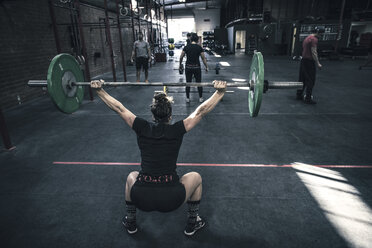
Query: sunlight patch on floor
(341,203)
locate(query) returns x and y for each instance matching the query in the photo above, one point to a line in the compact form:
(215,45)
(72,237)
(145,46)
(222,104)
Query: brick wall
(27,45)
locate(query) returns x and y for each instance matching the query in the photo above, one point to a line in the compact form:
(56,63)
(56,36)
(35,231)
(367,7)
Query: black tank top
(159,144)
(193,52)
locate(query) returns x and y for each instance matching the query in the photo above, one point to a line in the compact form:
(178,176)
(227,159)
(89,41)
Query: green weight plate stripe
(60,64)
(257,75)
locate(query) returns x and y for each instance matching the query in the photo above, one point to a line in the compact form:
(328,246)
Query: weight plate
(256,76)
(64,69)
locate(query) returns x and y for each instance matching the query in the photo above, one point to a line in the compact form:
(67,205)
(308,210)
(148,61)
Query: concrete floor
(49,204)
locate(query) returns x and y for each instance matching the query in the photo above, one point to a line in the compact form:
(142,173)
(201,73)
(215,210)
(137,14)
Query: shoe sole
(130,232)
(196,229)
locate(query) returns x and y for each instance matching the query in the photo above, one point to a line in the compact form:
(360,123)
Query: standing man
(142,54)
(308,65)
(193,52)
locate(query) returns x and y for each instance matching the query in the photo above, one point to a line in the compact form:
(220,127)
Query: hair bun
(161,97)
(161,107)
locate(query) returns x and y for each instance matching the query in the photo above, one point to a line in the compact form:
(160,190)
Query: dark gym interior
(299,174)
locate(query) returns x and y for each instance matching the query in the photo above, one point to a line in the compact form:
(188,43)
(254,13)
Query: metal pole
(4,133)
(147,27)
(131,17)
(166,19)
(160,30)
(84,50)
(108,32)
(121,41)
(138,17)
(75,21)
(340,25)
(147,22)
(157,25)
(152,38)
(54,24)
(74,30)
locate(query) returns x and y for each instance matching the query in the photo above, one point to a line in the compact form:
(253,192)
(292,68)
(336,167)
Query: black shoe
(191,228)
(309,101)
(131,226)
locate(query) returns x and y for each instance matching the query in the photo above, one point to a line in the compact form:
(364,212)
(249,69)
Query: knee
(197,177)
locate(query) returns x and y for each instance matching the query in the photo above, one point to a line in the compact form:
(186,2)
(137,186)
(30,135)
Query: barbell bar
(271,85)
(65,81)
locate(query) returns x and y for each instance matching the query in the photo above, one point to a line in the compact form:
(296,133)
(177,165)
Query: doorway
(240,40)
(179,27)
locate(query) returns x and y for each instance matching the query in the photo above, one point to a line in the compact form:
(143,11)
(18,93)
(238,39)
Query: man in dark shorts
(142,53)
(192,68)
(157,186)
(308,65)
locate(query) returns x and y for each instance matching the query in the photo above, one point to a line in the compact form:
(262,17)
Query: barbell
(65,81)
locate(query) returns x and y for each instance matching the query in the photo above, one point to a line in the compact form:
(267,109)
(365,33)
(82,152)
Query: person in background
(142,54)
(193,51)
(309,62)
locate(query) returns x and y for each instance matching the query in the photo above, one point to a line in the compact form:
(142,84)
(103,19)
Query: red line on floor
(215,165)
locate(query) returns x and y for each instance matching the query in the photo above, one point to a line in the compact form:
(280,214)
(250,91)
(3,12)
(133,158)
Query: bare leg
(129,221)
(146,75)
(193,186)
(138,74)
(131,179)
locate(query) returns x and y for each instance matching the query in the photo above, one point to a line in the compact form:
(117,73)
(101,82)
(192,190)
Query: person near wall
(142,54)
(309,62)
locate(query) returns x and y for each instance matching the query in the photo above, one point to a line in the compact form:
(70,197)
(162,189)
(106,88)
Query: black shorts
(163,197)
(142,62)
